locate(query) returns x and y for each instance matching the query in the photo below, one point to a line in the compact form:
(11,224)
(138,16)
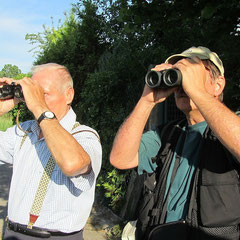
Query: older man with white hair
(55,159)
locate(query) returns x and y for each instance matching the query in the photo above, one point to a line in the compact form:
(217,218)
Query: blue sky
(19,17)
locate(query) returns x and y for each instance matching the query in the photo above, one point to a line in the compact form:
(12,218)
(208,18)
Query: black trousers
(11,235)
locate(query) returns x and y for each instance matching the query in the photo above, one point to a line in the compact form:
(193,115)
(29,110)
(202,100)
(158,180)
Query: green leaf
(208,11)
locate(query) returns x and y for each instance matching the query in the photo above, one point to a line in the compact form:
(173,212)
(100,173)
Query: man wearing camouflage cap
(191,165)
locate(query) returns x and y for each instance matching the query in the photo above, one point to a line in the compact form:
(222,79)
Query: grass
(6,121)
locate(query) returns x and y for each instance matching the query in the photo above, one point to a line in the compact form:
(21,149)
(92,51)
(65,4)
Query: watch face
(49,114)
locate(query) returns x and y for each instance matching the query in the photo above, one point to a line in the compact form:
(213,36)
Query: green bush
(113,184)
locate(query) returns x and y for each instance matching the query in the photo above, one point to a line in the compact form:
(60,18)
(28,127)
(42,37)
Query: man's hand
(154,96)
(194,76)
(34,96)
(7,104)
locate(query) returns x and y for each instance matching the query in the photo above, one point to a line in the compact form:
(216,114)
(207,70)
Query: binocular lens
(18,92)
(172,77)
(164,79)
(153,79)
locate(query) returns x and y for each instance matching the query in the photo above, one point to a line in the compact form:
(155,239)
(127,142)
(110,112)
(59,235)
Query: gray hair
(60,69)
(215,73)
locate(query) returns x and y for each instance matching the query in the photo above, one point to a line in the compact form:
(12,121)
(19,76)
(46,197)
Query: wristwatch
(46,115)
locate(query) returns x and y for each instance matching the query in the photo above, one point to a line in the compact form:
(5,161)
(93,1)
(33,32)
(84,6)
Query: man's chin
(183,104)
(181,95)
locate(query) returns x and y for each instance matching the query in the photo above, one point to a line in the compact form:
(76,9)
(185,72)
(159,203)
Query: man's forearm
(67,152)
(124,154)
(224,123)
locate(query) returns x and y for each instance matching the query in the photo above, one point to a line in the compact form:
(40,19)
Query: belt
(35,231)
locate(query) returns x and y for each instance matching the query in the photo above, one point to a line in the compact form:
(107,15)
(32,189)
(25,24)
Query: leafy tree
(10,71)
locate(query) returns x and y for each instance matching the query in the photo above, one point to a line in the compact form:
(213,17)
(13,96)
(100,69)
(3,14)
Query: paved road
(91,232)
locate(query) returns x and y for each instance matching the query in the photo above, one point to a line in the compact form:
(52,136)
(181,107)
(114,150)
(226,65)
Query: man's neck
(194,117)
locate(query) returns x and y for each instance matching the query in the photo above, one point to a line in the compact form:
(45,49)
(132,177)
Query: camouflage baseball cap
(201,52)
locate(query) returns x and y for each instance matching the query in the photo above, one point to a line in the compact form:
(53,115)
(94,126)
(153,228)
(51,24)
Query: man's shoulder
(84,127)
(86,130)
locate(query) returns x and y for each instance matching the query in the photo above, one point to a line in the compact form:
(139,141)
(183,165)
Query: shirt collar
(68,120)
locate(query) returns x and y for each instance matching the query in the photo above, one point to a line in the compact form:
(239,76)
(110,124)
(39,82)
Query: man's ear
(69,95)
(219,85)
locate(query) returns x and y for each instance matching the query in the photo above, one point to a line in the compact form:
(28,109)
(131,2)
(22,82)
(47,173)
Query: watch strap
(43,116)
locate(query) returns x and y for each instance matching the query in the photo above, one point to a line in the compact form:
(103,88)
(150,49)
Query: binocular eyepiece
(9,91)
(164,79)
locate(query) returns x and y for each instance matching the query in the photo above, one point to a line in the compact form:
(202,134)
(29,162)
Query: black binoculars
(9,91)
(164,79)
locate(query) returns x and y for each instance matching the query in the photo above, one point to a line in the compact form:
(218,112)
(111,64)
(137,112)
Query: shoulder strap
(169,135)
(77,124)
(152,200)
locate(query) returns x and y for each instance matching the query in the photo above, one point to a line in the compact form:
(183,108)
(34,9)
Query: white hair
(60,69)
